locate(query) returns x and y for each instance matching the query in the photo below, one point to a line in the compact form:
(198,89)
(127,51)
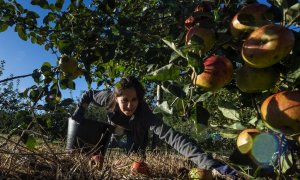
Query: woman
(129,114)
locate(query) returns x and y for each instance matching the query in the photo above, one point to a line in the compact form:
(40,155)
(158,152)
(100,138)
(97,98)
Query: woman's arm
(100,98)
(186,146)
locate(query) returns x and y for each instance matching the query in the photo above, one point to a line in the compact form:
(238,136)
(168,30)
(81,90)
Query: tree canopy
(166,43)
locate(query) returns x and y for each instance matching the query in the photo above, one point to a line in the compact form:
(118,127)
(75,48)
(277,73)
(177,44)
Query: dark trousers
(89,136)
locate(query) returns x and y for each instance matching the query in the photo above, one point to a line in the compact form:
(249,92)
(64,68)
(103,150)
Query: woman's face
(128,101)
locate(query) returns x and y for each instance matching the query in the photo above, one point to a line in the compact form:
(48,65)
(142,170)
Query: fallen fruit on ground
(248,19)
(245,140)
(200,174)
(218,71)
(96,161)
(268,45)
(281,112)
(252,80)
(139,167)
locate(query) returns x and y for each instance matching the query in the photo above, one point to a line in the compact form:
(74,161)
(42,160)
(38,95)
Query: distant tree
(10,102)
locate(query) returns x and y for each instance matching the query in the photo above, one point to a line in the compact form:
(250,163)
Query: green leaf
(46,69)
(236,126)
(115,30)
(199,127)
(286,161)
(168,72)
(59,4)
(173,46)
(202,114)
(33,95)
(32,15)
(174,88)
(36,75)
(42,3)
(164,108)
(253,121)
(294,71)
(19,7)
(66,83)
(3,26)
(66,102)
(33,38)
(203,97)
(63,44)
(293,12)
(173,57)
(229,111)
(25,93)
(111,4)
(229,135)
(49,17)
(21,32)
(30,142)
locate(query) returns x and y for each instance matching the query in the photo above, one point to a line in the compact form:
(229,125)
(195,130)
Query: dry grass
(50,161)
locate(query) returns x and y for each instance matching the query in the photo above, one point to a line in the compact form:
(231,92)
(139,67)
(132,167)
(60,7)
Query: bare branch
(15,77)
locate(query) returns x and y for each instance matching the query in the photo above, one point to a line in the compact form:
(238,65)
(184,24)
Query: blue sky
(22,57)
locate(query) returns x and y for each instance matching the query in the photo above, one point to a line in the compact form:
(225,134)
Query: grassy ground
(50,161)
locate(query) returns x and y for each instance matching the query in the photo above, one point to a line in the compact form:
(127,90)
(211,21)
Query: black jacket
(141,122)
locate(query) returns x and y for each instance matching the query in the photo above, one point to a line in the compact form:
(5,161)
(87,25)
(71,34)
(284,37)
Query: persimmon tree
(166,43)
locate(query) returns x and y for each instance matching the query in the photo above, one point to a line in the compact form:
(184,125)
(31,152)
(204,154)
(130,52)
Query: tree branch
(15,77)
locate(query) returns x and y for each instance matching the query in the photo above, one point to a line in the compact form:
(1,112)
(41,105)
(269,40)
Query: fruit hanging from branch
(281,112)
(268,45)
(253,80)
(67,64)
(200,40)
(200,15)
(69,67)
(248,19)
(245,140)
(218,71)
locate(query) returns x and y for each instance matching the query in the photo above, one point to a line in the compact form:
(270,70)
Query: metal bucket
(88,135)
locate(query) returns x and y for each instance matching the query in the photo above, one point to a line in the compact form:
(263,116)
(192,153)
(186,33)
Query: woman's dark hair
(124,84)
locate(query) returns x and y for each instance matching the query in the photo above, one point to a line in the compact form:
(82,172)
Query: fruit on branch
(73,75)
(200,39)
(69,67)
(245,140)
(218,71)
(200,174)
(281,112)
(248,19)
(268,45)
(252,80)
(199,16)
(67,64)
